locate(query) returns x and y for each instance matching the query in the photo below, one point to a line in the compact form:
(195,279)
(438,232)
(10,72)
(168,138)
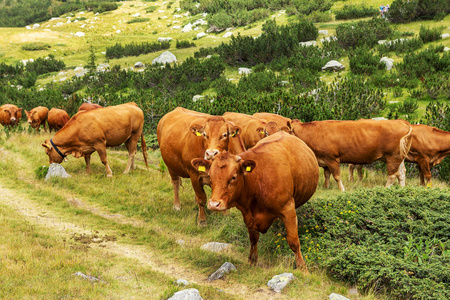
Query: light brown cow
(253,129)
(429,147)
(357,142)
(57,118)
(184,135)
(265,183)
(37,116)
(88,106)
(10,115)
(283,123)
(92,131)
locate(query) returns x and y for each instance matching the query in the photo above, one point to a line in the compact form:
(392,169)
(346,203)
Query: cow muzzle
(209,154)
(13,120)
(216,205)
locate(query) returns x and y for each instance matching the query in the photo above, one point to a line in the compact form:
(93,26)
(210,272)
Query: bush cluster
(400,46)
(274,42)
(352,35)
(184,44)
(364,61)
(425,62)
(355,12)
(35,46)
(135,49)
(138,20)
(427,34)
(383,240)
(45,65)
(404,11)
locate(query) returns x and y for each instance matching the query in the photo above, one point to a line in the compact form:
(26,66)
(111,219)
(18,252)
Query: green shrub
(400,46)
(437,85)
(404,11)
(427,34)
(184,44)
(398,92)
(321,16)
(35,46)
(425,62)
(392,241)
(151,9)
(352,35)
(105,6)
(138,20)
(409,106)
(41,172)
(221,20)
(364,61)
(45,65)
(356,12)
(134,49)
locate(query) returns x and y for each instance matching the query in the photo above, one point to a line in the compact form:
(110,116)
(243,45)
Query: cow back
(57,118)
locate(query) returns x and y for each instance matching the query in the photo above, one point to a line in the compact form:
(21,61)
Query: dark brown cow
(283,123)
(10,115)
(184,135)
(253,129)
(88,106)
(357,142)
(265,183)
(429,147)
(37,116)
(57,118)
(92,131)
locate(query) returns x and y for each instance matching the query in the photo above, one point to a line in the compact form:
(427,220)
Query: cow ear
(7,111)
(20,109)
(197,129)
(234,131)
(288,124)
(201,165)
(248,165)
(47,145)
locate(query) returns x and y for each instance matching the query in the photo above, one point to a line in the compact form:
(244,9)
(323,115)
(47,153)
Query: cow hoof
(109,175)
(202,224)
(176,208)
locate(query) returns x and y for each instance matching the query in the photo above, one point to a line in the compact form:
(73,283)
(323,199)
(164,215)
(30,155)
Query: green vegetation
(35,46)
(356,12)
(135,49)
(138,20)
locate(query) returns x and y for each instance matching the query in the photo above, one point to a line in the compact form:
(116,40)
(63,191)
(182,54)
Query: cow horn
(238,158)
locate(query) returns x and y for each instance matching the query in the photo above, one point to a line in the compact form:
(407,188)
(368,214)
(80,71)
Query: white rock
(446,48)
(27,27)
(161,11)
(36,26)
(334,296)
(200,22)
(445,35)
(56,170)
(164,39)
(189,294)
(379,118)
(138,65)
(197,97)
(187,28)
(279,282)
(200,35)
(176,27)
(323,31)
(307,44)
(227,35)
(136,15)
(182,282)
(389,62)
(244,71)
(165,57)
(118,31)
(79,34)
(215,247)
(177,16)
(333,65)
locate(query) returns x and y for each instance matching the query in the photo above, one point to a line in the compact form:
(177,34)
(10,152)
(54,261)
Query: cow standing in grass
(184,135)
(10,115)
(91,131)
(357,142)
(57,118)
(265,183)
(37,117)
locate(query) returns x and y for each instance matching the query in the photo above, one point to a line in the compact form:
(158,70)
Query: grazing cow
(92,131)
(429,147)
(184,135)
(88,106)
(265,183)
(357,142)
(253,129)
(57,118)
(10,115)
(283,123)
(37,116)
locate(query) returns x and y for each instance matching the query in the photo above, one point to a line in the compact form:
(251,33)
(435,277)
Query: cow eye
(233,179)
(224,135)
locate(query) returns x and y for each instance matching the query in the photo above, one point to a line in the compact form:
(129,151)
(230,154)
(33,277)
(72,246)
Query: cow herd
(265,165)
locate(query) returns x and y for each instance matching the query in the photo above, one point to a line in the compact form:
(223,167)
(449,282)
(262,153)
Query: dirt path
(41,215)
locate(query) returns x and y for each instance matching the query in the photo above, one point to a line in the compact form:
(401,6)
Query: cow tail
(405,143)
(144,149)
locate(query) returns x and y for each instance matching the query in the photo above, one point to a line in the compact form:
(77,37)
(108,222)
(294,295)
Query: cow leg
(87,159)
(326,174)
(176,181)
(45,126)
(131,145)
(200,196)
(289,218)
(333,167)
(102,153)
(351,168)
(359,170)
(402,174)
(425,172)
(393,168)
(254,237)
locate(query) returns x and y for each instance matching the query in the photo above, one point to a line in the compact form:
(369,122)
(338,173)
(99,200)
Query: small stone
(182,282)
(189,294)
(215,247)
(307,44)
(323,31)
(138,65)
(56,170)
(445,35)
(334,296)
(200,35)
(245,71)
(225,268)
(279,282)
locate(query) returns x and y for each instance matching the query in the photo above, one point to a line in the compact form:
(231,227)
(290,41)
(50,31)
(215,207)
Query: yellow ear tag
(262,132)
(198,133)
(202,169)
(248,169)
(234,134)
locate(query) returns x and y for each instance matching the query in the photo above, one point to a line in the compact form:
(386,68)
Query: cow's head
(15,114)
(271,128)
(53,155)
(227,172)
(216,133)
(30,116)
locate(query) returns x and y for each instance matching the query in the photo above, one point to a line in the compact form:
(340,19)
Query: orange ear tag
(201,169)
(248,169)
(198,133)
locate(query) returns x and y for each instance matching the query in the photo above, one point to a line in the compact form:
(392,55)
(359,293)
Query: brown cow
(88,106)
(37,116)
(283,123)
(265,183)
(92,131)
(357,142)
(429,147)
(184,135)
(57,118)
(10,115)
(253,129)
